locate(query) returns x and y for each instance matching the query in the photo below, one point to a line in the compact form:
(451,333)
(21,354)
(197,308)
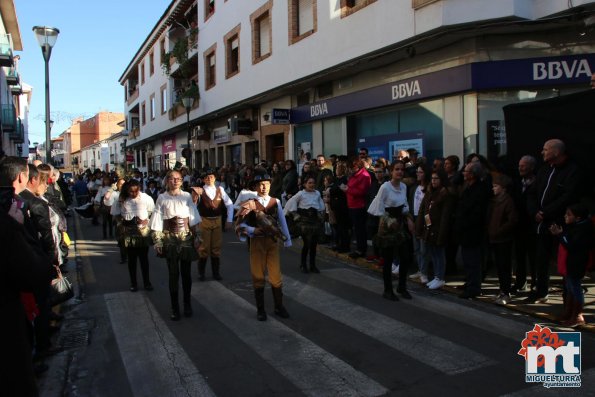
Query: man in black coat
(470,227)
(525,236)
(557,186)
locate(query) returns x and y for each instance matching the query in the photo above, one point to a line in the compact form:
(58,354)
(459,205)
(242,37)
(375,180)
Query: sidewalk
(548,311)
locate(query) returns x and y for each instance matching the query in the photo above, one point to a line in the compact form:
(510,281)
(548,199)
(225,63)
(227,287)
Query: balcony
(12,76)
(18,134)
(6,57)
(9,118)
(16,89)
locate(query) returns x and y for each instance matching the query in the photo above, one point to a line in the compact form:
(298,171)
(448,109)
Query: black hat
(207,172)
(261,178)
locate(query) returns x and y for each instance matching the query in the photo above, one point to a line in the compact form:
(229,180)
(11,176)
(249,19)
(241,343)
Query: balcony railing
(6,50)
(18,134)
(9,118)
(12,76)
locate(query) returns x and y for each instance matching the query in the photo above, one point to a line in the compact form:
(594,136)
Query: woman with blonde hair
(175,232)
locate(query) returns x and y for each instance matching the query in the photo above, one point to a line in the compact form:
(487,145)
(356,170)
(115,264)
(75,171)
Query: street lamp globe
(188,102)
(46,37)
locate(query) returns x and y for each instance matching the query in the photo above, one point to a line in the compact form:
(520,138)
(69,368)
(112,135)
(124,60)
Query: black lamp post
(46,37)
(188,102)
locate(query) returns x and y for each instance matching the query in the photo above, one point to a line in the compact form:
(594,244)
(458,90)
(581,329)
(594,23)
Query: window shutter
(305,16)
(235,43)
(265,36)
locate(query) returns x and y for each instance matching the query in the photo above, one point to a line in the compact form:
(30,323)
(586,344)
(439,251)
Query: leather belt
(176,225)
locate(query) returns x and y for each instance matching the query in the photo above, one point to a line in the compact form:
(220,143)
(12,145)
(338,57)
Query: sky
(96,43)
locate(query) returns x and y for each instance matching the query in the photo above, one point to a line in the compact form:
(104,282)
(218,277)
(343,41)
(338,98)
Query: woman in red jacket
(357,192)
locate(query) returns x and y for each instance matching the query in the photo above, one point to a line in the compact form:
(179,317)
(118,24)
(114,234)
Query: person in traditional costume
(133,210)
(175,231)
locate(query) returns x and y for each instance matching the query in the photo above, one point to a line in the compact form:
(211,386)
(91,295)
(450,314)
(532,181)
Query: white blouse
(389,196)
(418,196)
(304,200)
(115,198)
(168,206)
(142,206)
(101,192)
(211,192)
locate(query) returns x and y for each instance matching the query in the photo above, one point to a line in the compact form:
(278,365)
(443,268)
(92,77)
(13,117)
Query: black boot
(261,315)
(313,267)
(215,264)
(279,308)
(175,309)
(187,309)
(202,265)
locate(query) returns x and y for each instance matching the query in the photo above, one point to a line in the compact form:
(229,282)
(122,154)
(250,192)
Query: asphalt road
(342,338)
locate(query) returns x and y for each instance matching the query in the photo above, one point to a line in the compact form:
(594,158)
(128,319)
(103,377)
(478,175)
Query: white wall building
(275,77)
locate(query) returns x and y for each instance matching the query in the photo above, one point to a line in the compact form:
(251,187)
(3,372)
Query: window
(163,99)
(348,7)
(161,49)
(151,63)
(302,19)
(142,73)
(143,112)
(232,51)
(209,8)
(262,39)
(210,71)
(152,106)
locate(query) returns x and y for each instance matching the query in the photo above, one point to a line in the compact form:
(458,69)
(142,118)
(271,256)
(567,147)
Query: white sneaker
(437,284)
(415,275)
(429,285)
(424,279)
(395,269)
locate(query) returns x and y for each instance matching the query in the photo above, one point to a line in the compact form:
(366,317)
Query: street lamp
(46,37)
(188,102)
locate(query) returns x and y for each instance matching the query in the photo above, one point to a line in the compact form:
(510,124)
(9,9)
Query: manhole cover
(74,339)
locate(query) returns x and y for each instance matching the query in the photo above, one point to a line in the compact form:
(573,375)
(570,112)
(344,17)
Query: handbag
(562,257)
(61,289)
(328,230)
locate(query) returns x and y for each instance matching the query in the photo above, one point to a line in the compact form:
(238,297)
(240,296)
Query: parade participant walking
(113,200)
(133,210)
(103,209)
(212,202)
(175,232)
(395,229)
(307,207)
(264,249)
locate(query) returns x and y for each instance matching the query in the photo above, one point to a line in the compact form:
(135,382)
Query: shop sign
(280,116)
(221,136)
(496,132)
(168,144)
(575,69)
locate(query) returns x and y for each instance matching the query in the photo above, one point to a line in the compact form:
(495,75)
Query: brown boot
(278,298)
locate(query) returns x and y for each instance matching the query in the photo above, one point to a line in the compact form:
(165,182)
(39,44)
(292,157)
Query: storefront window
(386,132)
(332,137)
(303,143)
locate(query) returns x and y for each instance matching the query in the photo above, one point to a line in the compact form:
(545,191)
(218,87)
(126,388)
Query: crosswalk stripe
(504,327)
(587,379)
(310,368)
(155,362)
(437,352)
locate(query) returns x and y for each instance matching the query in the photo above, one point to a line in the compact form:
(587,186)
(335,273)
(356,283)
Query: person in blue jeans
(577,238)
